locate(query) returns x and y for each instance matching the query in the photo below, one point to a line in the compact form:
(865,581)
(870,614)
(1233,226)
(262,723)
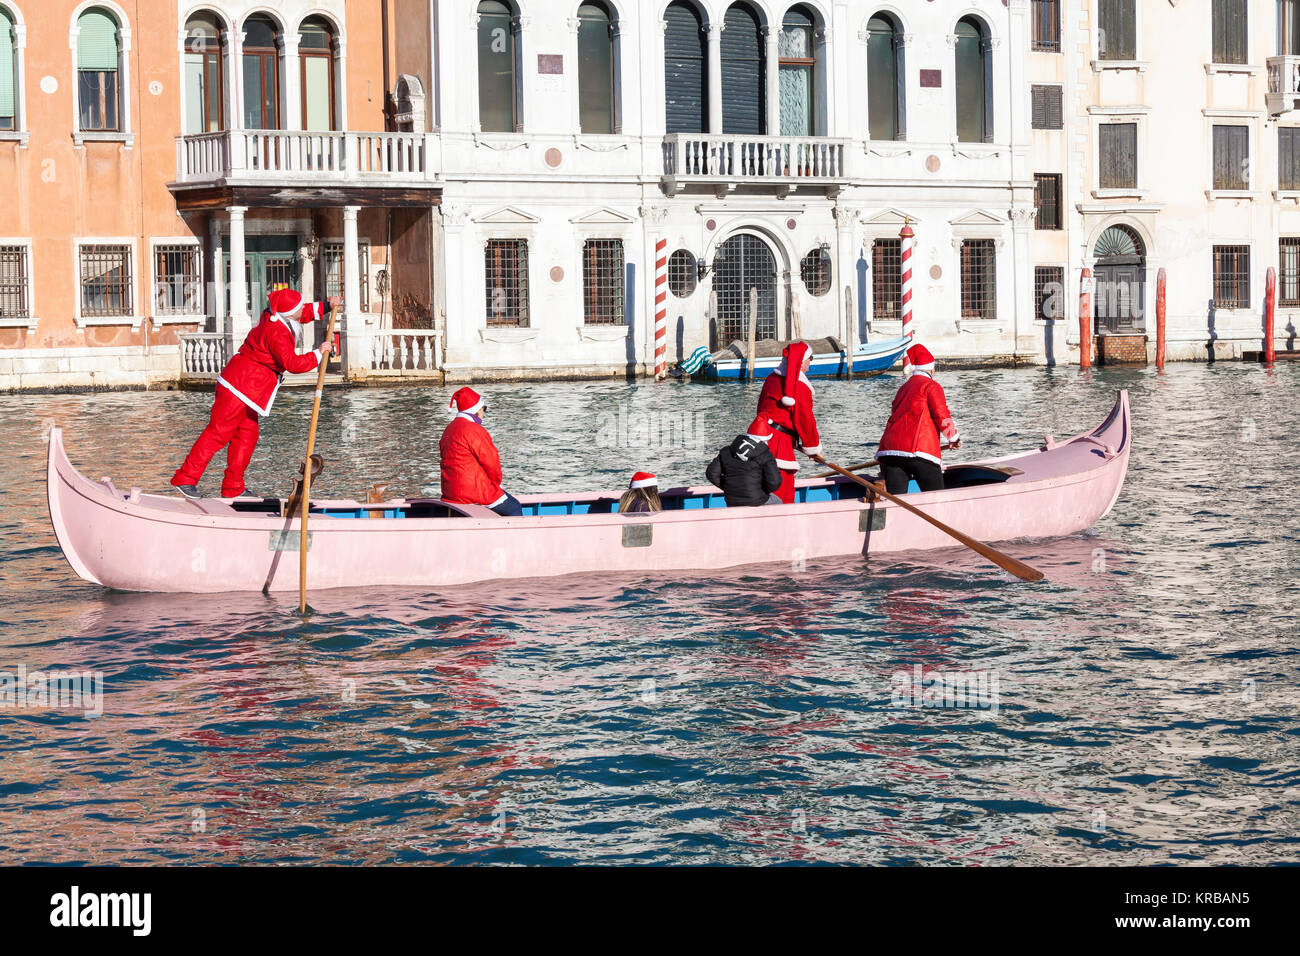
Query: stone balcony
(283,158)
(725,162)
(1283,84)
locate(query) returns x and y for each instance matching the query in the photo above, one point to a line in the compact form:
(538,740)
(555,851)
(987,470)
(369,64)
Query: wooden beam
(199,198)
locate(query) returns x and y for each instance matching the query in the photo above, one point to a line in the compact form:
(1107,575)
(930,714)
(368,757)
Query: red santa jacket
(254,374)
(471,467)
(785,419)
(920,415)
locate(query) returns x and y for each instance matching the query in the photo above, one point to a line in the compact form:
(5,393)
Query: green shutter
(6,66)
(96,41)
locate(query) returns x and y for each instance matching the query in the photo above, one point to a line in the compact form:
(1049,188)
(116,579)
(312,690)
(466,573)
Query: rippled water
(1146,705)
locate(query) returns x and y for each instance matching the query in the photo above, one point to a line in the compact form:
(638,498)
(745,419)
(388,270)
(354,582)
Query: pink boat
(142,542)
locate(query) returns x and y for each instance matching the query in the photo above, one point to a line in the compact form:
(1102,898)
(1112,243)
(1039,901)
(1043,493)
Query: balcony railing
(203,354)
(280,156)
(787,161)
(1283,84)
(404,352)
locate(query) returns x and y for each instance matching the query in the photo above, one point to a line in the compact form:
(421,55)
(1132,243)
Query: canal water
(1138,707)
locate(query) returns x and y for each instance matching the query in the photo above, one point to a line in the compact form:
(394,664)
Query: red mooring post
(1085,319)
(1270,314)
(1160,319)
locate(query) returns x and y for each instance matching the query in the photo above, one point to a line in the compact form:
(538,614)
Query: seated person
(642,495)
(471,466)
(746,470)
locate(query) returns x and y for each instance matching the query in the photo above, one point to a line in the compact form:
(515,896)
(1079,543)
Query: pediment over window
(979,217)
(507,216)
(604,215)
(891,217)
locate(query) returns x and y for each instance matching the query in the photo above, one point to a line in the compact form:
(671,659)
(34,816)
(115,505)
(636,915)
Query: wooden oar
(865,464)
(1004,561)
(306,469)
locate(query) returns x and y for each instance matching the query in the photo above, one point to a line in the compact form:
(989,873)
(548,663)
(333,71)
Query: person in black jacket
(746,470)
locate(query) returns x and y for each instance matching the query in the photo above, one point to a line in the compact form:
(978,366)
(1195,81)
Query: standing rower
(246,388)
(786,402)
(909,449)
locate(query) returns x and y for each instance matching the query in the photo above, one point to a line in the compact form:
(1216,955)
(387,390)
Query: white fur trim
(644,483)
(498,501)
(786,465)
(263,412)
(787,401)
(473,409)
(909,454)
(815,450)
(762,438)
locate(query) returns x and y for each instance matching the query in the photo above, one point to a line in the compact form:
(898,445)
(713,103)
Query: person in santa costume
(246,389)
(920,420)
(471,467)
(786,404)
(642,495)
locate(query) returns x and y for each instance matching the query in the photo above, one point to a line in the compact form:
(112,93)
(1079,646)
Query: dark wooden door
(1119,297)
(742,263)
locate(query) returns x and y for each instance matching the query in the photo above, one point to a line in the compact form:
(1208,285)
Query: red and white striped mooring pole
(906,237)
(661,309)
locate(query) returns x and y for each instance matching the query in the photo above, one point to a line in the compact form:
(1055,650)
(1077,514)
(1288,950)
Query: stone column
(356,341)
(715,78)
(291,117)
(216,280)
(773,54)
(239,322)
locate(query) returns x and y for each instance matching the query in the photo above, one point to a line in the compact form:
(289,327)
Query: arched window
(498,99)
(316,61)
(798,62)
(974,105)
(261,73)
(99,61)
(8,72)
(205,71)
(595,69)
(686,77)
(744,74)
(884,67)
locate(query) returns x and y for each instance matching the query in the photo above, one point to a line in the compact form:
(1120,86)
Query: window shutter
(685,80)
(1118,22)
(1118,142)
(6,65)
(1288,175)
(1231,152)
(1046,103)
(96,42)
(1230,30)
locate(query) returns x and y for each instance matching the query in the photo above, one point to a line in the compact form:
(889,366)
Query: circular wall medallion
(557,274)
(155,88)
(932,163)
(49,84)
(790,224)
(710,224)
(936,272)
(554,157)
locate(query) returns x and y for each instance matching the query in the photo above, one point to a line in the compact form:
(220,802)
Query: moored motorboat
(143,542)
(869,358)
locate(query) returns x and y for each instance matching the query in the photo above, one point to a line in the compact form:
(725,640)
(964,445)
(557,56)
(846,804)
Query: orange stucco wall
(55,192)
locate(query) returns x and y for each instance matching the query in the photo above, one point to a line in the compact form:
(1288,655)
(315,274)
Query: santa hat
(759,429)
(794,354)
(643,479)
(920,359)
(468,401)
(285,302)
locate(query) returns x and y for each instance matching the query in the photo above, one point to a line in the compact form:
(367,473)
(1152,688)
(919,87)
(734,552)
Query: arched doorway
(1121,275)
(742,263)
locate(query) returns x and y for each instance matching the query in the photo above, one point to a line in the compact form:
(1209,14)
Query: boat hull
(167,544)
(870,359)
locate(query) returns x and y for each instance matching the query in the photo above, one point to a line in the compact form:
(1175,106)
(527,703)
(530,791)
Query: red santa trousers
(232,423)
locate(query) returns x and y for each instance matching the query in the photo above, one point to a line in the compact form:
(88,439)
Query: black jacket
(746,472)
